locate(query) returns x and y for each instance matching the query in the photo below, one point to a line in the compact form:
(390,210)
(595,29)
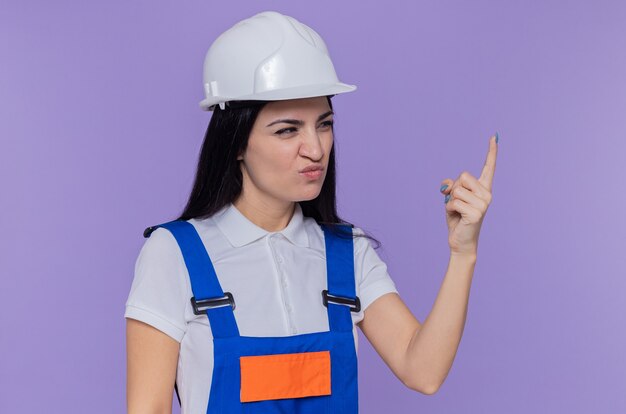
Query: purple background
(100,129)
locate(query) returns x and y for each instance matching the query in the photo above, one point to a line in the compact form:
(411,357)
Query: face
(287,137)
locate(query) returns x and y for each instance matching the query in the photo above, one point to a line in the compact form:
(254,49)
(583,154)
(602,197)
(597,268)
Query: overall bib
(308,373)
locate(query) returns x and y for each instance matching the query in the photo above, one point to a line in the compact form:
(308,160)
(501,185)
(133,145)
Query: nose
(311,146)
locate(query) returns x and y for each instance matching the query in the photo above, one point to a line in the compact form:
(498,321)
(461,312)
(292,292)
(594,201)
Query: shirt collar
(239,230)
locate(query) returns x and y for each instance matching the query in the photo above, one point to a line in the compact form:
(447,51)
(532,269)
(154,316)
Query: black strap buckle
(200,306)
(148,231)
(341,300)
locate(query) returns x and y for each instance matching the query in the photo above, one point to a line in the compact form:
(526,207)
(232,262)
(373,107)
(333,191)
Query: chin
(309,195)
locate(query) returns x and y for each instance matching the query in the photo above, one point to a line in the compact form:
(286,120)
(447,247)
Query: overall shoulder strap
(340,298)
(208,296)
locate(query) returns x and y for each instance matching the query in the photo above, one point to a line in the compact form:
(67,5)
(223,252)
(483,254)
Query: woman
(249,301)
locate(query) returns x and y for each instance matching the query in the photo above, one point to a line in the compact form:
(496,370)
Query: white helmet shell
(269,56)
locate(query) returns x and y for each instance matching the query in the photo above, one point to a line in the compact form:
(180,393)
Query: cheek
(329,145)
(272,161)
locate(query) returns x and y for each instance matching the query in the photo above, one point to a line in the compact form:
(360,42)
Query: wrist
(464,256)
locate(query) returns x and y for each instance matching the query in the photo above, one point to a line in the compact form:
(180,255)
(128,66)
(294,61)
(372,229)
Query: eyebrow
(297,121)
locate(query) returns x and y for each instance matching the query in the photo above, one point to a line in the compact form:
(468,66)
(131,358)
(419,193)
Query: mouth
(313,174)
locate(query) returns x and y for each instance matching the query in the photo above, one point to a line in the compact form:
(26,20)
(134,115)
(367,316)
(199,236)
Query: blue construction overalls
(309,373)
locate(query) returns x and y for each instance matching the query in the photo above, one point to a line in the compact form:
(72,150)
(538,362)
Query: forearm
(432,348)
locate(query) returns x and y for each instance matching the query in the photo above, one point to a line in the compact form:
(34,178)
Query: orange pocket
(271,377)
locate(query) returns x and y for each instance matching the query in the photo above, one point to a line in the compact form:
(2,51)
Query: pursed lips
(312,168)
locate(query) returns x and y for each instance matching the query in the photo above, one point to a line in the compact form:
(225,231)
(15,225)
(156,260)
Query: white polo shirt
(276,279)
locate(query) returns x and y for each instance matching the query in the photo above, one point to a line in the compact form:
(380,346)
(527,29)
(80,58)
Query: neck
(270,216)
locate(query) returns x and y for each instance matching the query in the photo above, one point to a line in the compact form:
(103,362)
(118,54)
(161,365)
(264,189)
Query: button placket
(283,282)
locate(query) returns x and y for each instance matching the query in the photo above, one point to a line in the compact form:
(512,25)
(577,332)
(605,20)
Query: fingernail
(497,137)
(443,187)
(447,198)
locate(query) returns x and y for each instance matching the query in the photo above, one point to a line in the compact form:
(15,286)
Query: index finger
(486,176)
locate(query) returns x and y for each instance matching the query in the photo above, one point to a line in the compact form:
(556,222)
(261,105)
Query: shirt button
(280,259)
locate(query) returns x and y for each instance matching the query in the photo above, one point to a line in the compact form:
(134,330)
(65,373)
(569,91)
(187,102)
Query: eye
(285,130)
(328,123)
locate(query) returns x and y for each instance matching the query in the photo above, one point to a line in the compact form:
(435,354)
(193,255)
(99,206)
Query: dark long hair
(219,180)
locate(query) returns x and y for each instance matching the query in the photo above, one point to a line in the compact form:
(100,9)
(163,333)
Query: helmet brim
(307,91)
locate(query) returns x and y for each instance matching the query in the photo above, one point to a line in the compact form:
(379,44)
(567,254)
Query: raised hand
(467,200)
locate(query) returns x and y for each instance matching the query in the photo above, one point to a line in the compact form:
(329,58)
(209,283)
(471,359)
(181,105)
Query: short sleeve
(159,291)
(371,272)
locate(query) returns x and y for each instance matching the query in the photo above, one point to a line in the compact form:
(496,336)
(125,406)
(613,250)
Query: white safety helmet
(269,56)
